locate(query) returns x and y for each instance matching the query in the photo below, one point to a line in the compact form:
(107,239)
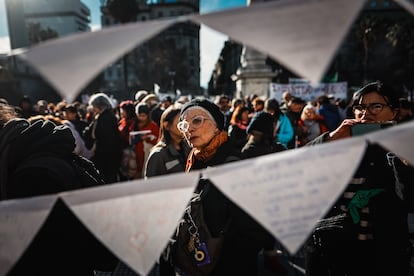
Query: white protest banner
(134,219)
(289,191)
(309,92)
(20,220)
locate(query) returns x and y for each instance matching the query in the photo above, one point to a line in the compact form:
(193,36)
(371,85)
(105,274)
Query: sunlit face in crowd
(373,107)
(201,127)
(257,106)
(296,107)
(309,113)
(143,117)
(70,116)
(223,104)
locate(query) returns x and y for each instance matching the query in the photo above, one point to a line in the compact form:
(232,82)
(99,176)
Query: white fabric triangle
(398,139)
(20,220)
(134,219)
(289,191)
(302,35)
(69,63)
(407,4)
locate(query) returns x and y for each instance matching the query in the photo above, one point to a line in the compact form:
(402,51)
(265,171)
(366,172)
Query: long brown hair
(237,114)
(168,116)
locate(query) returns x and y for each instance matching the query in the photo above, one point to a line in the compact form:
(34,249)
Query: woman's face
(372,107)
(309,114)
(201,127)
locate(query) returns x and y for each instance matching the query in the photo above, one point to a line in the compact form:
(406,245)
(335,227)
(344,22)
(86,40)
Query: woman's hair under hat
(210,107)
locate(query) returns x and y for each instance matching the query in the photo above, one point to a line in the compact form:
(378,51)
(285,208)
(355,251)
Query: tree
(366,33)
(400,34)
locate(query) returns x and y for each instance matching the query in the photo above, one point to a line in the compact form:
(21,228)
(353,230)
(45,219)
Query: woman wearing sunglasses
(202,124)
(366,231)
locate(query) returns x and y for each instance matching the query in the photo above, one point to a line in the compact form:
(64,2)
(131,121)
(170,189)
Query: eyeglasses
(196,122)
(374,108)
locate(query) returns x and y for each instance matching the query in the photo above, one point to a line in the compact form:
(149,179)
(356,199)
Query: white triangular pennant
(398,139)
(302,35)
(407,4)
(69,63)
(20,220)
(289,191)
(136,219)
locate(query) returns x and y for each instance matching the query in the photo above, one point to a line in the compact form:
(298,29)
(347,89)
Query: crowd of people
(149,136)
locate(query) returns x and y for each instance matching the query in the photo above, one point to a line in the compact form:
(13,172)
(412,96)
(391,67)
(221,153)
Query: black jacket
(244,237)
(357,247)
(37,160)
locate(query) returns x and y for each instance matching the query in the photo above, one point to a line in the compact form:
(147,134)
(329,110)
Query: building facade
(170,60)
(31,22)
(61,17)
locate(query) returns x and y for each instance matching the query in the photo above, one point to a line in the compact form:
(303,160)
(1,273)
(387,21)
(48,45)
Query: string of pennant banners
(284,192)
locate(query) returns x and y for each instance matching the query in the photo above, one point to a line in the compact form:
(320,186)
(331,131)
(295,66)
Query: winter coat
(37,159)
(108,150)
(284,130)
(165,159)
(377,226)
(244,237)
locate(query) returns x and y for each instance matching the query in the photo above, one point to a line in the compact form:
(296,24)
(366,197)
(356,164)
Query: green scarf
(360,200)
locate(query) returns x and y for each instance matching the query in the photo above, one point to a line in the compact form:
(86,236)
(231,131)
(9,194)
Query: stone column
(254,76)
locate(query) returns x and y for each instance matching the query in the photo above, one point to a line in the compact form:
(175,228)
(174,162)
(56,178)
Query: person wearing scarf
(202,124)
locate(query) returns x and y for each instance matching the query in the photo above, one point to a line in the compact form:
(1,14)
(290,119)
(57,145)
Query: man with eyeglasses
(366,231)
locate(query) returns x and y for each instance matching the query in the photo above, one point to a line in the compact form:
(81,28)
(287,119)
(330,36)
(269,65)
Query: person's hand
(148,137)
(344,130)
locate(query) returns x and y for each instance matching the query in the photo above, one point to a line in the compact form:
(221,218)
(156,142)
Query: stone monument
(254,75)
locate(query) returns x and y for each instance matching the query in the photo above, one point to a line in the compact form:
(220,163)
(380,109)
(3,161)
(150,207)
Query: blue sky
(211,42)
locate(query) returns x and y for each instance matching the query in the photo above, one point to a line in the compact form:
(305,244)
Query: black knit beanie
(263,122)
(210,107)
